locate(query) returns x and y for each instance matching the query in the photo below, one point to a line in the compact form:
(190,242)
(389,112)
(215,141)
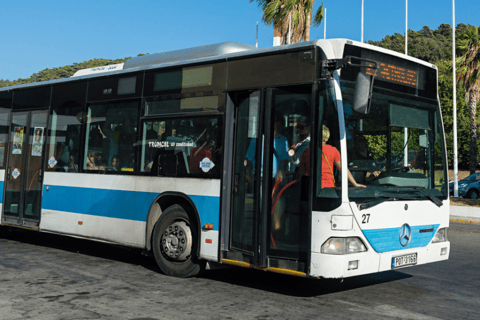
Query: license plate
(406,260)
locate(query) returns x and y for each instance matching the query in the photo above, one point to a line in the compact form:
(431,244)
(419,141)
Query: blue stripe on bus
(129,205)
(2,184)
(383,240)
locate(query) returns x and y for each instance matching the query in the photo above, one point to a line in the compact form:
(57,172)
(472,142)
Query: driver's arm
(350,176)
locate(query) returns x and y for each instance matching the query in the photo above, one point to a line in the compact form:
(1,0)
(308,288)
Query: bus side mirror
(363,93)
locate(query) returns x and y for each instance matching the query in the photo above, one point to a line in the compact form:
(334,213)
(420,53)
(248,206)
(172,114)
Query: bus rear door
(24,171)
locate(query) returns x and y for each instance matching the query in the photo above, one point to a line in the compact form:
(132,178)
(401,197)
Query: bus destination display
(392,73)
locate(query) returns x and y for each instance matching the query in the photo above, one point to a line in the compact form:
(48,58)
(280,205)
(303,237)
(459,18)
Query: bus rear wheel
(175,244)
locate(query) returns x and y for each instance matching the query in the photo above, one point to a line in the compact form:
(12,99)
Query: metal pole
(362,23)
(455,151)
(406,27)
(325,24)
(256,41)
(405,130)
(289,29)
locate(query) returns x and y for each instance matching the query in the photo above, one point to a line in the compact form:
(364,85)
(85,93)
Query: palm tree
(297,12)
(468,75)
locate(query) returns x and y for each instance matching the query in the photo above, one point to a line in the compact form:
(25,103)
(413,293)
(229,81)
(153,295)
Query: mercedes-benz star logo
(405,235)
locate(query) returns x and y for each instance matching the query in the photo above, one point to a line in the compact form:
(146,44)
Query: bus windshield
(397,149)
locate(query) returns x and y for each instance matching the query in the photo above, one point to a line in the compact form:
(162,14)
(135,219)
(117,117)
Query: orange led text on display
(393,73)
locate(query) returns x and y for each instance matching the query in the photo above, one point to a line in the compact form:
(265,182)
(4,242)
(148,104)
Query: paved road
(50,277)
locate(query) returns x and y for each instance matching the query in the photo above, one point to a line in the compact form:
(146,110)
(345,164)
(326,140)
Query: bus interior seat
(169,163)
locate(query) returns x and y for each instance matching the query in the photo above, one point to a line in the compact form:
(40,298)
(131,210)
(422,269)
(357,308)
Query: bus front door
(24,171)
(270,211)
(245,218)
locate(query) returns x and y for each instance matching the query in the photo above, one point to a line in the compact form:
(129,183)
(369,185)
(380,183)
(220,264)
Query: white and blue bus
(231,155)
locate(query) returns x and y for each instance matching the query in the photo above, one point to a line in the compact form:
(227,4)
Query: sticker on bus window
(52,162)
(37,142)
(206,165)
(159,144)
(15,173)
(18,140)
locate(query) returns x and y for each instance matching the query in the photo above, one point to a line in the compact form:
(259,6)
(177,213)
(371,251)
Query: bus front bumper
(349,265)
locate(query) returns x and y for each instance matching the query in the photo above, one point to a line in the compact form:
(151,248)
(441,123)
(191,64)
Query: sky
(37,35)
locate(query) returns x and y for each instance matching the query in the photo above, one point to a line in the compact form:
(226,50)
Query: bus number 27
(365,218)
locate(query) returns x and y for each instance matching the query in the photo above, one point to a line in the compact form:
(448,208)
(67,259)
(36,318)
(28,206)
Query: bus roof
(215,52)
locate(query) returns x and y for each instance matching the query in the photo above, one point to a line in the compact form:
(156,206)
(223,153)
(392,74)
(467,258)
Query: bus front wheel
(175,244)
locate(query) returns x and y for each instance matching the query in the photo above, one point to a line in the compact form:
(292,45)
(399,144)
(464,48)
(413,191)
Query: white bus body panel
(114,208)
(125,232)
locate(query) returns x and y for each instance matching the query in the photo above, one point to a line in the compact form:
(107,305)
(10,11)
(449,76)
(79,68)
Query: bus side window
(111,135)
(4,128)
(64,140)
(190,147)
(205,152)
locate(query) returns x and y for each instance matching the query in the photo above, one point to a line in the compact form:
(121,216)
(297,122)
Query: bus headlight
(440,236)
(343,246)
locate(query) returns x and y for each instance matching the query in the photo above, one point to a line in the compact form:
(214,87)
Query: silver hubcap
(177,241)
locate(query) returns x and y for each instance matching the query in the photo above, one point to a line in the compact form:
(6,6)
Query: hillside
(61,72)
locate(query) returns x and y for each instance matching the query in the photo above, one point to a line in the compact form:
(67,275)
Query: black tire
(473,194)
(175,244)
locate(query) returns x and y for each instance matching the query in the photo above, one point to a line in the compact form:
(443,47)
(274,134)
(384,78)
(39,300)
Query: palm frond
(308,6)
(318,17)
(295,19)
(272,14)
(460,60)
(289,5)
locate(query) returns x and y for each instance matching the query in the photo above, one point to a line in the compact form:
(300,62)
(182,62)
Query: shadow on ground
(242,277)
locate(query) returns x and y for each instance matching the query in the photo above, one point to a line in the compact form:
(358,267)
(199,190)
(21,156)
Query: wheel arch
(162,202)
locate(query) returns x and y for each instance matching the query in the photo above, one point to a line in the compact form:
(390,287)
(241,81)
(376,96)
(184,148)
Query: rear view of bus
(393,137)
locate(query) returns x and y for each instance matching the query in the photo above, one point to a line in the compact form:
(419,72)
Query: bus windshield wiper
(373,203)
(430,196)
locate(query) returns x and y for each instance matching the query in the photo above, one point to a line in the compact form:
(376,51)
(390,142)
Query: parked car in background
(468,187)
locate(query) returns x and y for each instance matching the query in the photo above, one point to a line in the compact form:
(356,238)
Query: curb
(465,221)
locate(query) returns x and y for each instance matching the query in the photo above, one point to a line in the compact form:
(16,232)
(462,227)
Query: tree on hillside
(61,72)
(467,73)
(279,13)
(435,47)
(445,91)
(425,44)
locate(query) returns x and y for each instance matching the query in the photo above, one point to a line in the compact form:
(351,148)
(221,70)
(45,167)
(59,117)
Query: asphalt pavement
(464,214)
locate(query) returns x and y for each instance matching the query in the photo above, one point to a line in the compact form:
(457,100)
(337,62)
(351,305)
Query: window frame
(187,116)
(135,148)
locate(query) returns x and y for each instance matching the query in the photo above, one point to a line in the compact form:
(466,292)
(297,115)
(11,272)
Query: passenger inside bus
(92,163)
(71,143)
(115,163)
(280,153)
(73,165)
(206,146)
(331,157)
(288,205)
(302,129)
(120,129)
